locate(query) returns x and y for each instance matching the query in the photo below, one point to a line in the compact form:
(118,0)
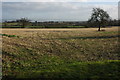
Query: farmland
(82,53)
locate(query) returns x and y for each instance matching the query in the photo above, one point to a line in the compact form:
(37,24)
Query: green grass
(44,26)
(9,35)
(54,67)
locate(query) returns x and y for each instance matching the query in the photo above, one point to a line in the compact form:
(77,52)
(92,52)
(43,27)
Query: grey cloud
(53,10)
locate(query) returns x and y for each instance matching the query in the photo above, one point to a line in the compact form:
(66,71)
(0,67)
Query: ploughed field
(61,53)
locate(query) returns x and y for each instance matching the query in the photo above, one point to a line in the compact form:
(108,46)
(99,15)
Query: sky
(60,0)
(56,10)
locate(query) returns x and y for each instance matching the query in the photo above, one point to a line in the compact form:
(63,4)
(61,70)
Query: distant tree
(36,23)
(119,22)
(24,22)
(4,23)
(99,17)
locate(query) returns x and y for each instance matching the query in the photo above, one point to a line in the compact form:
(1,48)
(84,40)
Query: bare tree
(24,22)
(99,17)
(4,23)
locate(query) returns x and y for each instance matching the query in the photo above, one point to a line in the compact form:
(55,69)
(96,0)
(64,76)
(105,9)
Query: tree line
(99,18)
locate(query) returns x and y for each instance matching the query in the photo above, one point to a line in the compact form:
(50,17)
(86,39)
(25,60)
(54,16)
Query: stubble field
(61,53)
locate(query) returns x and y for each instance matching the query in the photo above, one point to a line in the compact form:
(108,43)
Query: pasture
(81,53)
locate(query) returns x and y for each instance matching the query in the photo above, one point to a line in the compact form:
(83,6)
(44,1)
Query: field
(80,53)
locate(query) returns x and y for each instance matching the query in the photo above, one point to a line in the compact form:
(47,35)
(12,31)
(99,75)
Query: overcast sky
(66,10)
(60,0)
